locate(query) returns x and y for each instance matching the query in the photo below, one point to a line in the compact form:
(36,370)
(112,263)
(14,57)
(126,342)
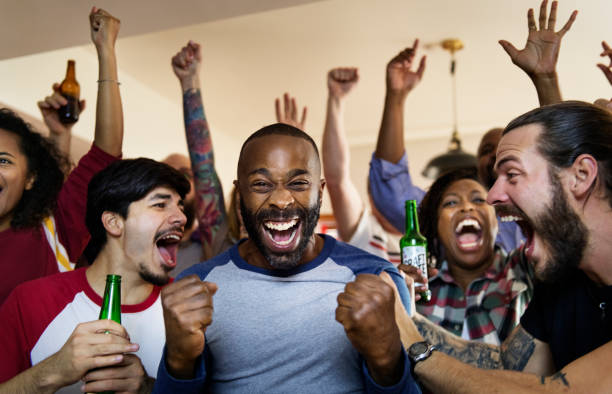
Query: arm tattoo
(558,376)
(212,218)
(478,354)
(517,349)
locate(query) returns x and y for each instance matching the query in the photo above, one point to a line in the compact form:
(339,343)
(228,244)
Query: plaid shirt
(490,307)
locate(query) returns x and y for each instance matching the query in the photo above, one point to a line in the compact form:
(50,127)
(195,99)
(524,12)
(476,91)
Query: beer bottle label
(415,256)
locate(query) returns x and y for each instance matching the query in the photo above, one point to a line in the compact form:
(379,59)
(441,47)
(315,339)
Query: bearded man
(554,168)
(275,294)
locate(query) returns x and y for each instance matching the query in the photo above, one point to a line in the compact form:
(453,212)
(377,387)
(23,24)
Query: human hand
(341,80)
(366,309)
(188,311)
(104,29)
(48,109)
(129,376)
(408,331)
(95,344)
(400,78)
(607,70)
(186,64)
(289,115)
(539,57)
(413,274)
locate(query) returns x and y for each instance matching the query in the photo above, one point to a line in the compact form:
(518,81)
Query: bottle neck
(70,73)
(412,220)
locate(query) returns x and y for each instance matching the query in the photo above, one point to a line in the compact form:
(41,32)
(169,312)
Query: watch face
(418,348)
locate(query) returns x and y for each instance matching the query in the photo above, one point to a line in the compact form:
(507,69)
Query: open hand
(401,78)
(539,57)
(289,115)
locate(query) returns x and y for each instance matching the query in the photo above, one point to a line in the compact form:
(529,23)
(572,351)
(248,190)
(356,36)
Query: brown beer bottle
(71,90)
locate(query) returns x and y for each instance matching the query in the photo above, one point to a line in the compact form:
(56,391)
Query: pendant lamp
(455,157)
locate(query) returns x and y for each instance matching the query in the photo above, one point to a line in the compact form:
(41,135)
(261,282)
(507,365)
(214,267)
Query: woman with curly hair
(42,218)
(480,292)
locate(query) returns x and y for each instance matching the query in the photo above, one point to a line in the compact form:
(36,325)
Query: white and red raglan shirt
(39,316)
(371,237)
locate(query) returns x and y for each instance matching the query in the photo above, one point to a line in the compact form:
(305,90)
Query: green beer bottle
(111,303)
(414,247)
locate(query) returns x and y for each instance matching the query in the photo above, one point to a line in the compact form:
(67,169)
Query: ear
(321,189)
(113,223)
(583,175)
(30,182)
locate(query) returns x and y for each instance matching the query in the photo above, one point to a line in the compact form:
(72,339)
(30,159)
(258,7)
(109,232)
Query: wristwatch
(419,351)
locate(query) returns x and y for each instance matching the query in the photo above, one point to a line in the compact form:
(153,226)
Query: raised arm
(539,57)
(389,181)
(210,207)
(60,134)
(401,79)
(109,114)
(345,200)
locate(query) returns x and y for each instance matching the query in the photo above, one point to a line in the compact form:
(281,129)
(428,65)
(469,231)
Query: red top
(25,254)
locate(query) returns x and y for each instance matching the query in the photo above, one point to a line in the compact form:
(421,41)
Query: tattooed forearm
(478,354)
(211,214)
(517,349)
(558,377)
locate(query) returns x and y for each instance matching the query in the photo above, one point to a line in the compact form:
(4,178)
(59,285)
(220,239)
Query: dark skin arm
(188,310)
(366,311)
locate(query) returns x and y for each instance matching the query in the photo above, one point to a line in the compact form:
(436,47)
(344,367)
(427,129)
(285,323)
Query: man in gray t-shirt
(293,311)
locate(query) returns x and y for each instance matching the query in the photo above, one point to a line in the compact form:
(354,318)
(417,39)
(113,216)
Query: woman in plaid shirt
(480,292)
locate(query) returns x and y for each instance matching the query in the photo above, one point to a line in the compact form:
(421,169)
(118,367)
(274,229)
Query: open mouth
(523,223)
(469,234)
(282,235)
(167,246)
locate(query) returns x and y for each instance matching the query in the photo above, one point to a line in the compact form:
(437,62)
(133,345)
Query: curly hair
(428,210)
(45,164)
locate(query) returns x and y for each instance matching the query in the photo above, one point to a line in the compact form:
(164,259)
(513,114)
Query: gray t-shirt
(275,331)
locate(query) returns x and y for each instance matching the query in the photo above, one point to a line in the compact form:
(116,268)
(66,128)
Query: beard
(563,233)
(254,221)
(153,278)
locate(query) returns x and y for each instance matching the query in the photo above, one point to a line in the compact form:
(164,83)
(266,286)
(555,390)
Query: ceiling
(256,50)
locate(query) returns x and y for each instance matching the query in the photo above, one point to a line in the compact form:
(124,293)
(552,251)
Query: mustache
(506,209)
(161,233)
(279,215)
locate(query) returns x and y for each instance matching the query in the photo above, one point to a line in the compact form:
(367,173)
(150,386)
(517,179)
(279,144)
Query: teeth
(510,218)
(281,226)
(283,243)
(171,236)
(467,222)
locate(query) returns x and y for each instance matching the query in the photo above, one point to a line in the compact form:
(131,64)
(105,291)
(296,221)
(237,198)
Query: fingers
(344,74)
(542,18)
(607,71)
(568,24)
(421,68)
(531,24)
(278,110)
(509,48)
(303,119)
(552,18)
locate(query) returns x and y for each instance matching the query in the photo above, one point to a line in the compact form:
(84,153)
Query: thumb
(509,48)
(212,287)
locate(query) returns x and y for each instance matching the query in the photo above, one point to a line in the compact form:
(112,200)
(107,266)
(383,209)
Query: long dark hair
(428,210)
(45,164)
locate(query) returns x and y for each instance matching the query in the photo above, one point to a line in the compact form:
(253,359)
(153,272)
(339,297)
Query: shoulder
(203,269)
(358,260)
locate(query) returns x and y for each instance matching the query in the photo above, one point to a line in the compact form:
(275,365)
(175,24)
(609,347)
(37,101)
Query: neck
(134,289)
(465,276)
(596,261)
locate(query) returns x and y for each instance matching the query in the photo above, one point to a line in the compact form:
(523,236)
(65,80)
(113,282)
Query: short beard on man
(564,234)
(150,277)
(253,222)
